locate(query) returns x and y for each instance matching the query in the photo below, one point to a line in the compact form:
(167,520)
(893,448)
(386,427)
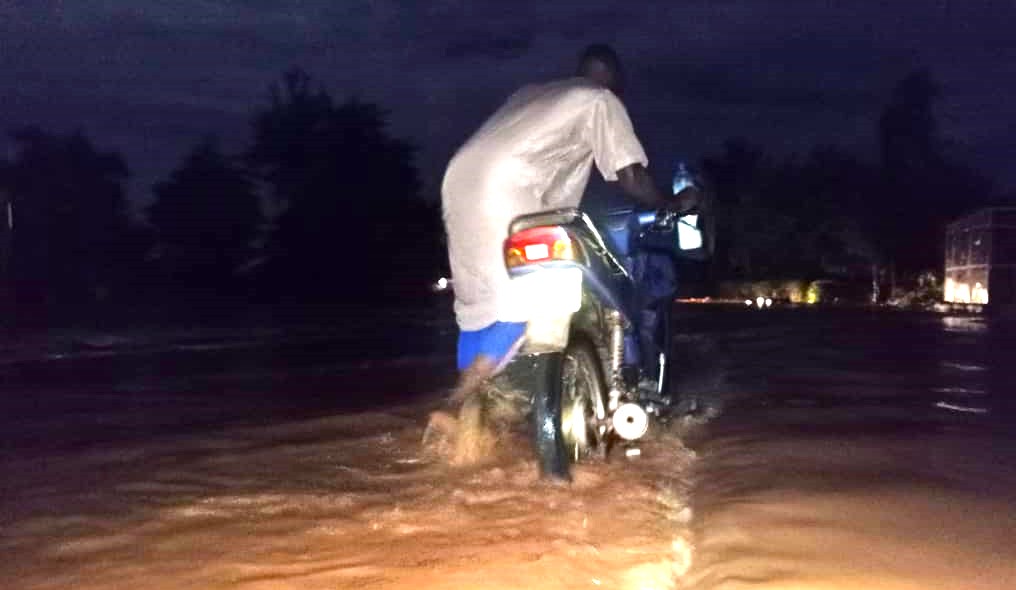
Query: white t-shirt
(534,154)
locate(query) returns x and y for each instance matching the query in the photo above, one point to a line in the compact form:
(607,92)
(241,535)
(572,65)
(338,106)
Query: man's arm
(637,184)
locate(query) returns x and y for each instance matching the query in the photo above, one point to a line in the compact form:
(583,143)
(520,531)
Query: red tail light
(538,244)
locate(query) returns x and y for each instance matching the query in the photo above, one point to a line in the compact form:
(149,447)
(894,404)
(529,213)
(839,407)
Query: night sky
(151,78)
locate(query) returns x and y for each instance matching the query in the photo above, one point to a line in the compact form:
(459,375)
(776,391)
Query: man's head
(600,64)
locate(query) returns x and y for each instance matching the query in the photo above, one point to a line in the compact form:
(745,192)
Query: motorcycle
(587,290)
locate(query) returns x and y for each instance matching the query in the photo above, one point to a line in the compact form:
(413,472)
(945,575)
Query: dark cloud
(150,78)
(715,86)
(489,47)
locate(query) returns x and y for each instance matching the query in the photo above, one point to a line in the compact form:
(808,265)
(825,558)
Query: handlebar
(660,219)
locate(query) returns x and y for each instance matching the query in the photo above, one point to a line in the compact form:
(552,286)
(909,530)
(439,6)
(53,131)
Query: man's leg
(462,426)
(481,355)
(473,439)
(472,377)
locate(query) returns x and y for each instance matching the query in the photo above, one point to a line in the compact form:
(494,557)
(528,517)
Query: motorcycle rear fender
(599,267)
(547,334)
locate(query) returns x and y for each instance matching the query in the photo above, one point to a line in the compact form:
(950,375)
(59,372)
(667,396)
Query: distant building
(980,258)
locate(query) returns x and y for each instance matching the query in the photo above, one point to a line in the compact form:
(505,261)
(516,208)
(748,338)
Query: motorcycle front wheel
(664,346)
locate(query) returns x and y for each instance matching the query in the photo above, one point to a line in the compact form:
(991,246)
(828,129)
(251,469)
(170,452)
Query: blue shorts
(499,341)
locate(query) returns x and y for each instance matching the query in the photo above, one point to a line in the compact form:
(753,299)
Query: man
(534,154)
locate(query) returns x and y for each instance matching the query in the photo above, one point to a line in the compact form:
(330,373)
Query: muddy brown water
(834,450)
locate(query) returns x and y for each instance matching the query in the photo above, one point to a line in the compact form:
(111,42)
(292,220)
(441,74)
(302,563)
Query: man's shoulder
(563,89)
(576,87)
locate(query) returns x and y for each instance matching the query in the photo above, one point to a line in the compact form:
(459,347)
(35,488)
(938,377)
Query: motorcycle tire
(664,344)
(569,409)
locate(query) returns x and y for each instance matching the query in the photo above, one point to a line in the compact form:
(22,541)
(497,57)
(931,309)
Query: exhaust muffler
(630,421)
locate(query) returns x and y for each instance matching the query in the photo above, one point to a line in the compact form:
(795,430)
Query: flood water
(830,449)
(861,451)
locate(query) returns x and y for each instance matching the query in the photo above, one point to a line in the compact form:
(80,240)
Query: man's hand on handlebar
(637,184)
(685,201)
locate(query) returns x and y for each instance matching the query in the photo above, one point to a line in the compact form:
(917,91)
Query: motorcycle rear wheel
(569,410)
(583,403)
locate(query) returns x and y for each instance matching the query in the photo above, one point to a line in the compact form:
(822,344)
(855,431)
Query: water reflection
(964,324)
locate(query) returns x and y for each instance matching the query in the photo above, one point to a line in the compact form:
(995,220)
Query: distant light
(979,294)
(962,293)
(949,291)
(813,294)
(958,292)
(760,301)
(769,302)
(748,302)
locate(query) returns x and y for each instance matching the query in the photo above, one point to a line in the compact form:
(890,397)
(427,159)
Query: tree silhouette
(751,227)
(832,214)
(206,216)
(790,219)
(69,216)
(908,133)
(832,200)
(923,186)
(346,189)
